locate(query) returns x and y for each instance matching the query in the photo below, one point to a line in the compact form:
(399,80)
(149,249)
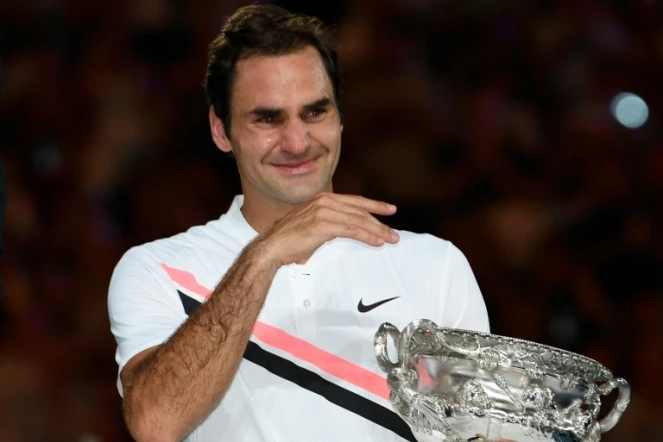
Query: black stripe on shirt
(315,383)
(190,305)
(335,394)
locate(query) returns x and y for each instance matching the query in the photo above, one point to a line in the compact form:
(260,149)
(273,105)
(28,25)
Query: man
(259,326)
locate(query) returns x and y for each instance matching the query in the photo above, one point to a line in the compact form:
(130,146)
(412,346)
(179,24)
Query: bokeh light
(629,110)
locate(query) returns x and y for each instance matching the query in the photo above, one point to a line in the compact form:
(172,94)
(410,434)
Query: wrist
(263,255)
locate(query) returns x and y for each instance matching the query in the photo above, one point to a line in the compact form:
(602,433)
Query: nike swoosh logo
(367,308)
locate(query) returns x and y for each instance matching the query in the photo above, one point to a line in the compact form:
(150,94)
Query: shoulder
(424,247)
(426,254)
(204,251)
(421,240)
(212,238)
(143,276)
(459,298)
(415,253)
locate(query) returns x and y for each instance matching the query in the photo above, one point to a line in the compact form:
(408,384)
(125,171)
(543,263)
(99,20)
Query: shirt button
(293,273)
(307,303)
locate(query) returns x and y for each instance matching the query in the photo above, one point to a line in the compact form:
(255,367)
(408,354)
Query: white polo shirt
(309,371)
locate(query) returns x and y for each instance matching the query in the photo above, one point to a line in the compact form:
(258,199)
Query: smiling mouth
(298,167)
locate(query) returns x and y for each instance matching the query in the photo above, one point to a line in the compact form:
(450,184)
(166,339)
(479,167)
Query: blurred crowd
(487,122)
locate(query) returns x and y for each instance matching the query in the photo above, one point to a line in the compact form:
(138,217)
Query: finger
(350,208)
(367,204)
(353,231)
(332,224)
(369,223)
(360,219)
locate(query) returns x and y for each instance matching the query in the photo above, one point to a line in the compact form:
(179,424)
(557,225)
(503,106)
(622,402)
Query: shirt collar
(236,217)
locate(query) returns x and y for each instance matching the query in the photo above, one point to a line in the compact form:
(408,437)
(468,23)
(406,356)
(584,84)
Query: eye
(314,114)
(268,119)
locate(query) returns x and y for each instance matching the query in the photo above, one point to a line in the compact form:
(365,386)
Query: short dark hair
(264,30)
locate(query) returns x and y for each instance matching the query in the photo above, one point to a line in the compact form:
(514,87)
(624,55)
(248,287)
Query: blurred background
(526,132)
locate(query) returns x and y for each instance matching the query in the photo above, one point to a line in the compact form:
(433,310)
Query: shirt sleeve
(464,307)
(142,307)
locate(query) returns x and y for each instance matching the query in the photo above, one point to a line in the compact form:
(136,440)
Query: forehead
(282,81)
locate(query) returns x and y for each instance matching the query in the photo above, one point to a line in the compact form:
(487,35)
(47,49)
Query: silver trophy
(458,385)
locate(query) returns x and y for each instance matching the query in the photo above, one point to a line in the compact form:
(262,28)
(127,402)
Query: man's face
(285,126)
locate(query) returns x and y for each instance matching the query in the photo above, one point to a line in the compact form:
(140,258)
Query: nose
(295,136)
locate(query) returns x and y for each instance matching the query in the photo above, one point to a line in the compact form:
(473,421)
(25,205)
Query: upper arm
(142,310)
(464,307)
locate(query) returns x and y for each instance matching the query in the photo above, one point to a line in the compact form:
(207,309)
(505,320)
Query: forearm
(180,383)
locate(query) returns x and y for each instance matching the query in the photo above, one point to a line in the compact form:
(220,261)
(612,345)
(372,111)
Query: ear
(219,132)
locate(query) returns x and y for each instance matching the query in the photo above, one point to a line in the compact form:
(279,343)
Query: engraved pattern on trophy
(460,385)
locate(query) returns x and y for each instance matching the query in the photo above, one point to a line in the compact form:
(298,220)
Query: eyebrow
(318,104)
(263,112)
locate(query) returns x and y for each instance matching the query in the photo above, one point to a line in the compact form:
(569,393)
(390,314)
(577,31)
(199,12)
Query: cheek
(254,148)
(328,135)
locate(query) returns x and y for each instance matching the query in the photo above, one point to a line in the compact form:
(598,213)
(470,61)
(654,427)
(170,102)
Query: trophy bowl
(458,385)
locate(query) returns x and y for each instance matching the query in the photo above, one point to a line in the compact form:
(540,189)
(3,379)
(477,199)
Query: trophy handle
(424,327)
(380,345)
(608,422)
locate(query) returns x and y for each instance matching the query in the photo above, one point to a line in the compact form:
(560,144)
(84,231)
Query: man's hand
(299,234)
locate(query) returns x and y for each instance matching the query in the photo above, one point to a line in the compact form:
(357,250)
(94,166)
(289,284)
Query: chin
(297,198)
(299,195)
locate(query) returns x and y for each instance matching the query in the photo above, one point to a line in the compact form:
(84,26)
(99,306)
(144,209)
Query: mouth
(296,168)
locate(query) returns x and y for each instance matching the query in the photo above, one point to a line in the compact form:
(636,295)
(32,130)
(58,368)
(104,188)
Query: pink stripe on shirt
(299,348)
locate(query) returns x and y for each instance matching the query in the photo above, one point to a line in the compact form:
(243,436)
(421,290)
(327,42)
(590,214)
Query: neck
(260,214)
